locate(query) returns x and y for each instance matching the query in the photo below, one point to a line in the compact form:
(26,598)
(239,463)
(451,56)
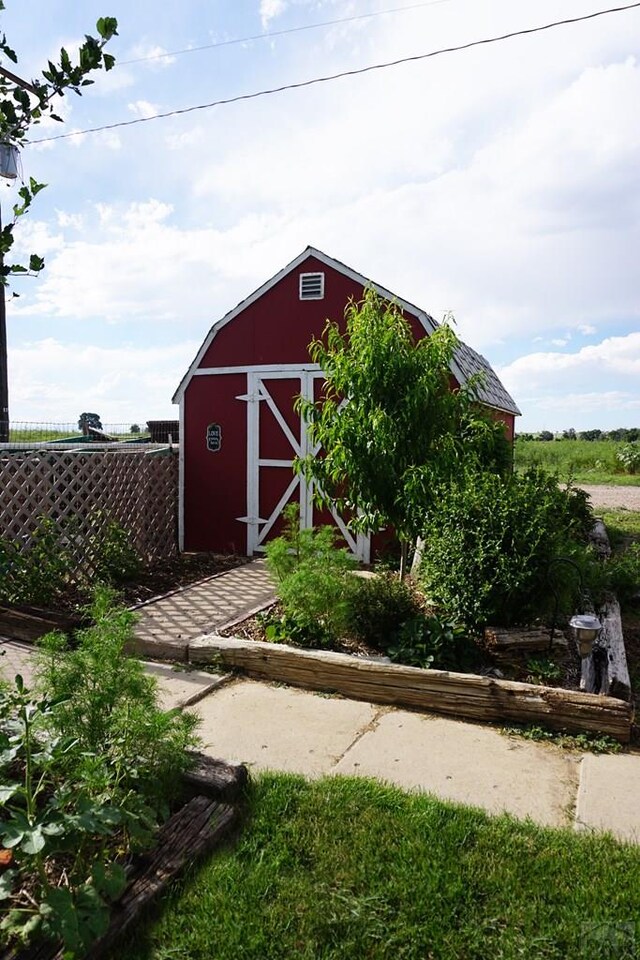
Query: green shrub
(39,570)
(427,641)
(36,572)
(379,608)
(623,573)
(490,541)
(115,560)
(108,704)
(629,456)
(314,584)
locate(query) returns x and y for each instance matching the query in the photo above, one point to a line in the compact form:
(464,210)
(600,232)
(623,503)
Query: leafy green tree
(390,426)
(24,104)
(135,428)
(86,420)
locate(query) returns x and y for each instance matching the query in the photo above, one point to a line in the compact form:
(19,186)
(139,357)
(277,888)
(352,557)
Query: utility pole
(4,373)
(8,169)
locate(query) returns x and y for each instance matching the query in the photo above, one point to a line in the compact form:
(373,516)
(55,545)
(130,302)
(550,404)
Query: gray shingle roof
(489,389)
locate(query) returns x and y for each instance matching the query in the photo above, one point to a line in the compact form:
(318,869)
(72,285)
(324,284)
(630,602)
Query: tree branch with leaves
(24,104)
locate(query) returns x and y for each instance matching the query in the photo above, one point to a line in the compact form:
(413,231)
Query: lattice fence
(84,492)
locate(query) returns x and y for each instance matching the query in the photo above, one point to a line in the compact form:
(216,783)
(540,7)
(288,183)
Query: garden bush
(623,574)
(490,542)
(629,456)
(312,582)
(36,572)
(429,641)
(54,558)
(380,607)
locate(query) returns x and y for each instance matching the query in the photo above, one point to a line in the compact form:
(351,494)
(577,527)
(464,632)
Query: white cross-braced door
(276,434)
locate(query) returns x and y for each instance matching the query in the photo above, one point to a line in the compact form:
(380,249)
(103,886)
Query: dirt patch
(614,497)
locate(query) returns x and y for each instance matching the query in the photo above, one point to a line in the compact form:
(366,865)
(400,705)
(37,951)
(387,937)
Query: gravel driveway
(609,496)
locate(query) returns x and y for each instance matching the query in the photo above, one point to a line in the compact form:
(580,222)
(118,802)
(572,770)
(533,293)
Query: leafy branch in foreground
(25,104)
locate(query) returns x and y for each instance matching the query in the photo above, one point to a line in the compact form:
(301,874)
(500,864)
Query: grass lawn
(583,460)
(623,526)
(346,868)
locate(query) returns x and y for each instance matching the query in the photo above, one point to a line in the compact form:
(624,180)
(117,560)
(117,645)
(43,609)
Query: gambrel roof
(466,364)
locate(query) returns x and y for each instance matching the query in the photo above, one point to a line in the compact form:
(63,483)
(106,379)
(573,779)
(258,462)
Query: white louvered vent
(311,286)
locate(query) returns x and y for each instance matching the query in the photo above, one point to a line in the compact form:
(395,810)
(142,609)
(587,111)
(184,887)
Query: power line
(338,76)
(281,33)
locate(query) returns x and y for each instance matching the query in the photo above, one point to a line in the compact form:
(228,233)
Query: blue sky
(500,183)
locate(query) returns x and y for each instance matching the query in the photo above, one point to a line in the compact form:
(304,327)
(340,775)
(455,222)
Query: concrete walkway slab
(467,763)
(176,688)
(171,621)
(609,795)
(182,688)
(280,728)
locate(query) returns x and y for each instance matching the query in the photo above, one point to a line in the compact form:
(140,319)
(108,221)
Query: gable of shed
(275,324)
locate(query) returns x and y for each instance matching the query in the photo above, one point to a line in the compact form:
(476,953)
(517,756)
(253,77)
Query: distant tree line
(620,435)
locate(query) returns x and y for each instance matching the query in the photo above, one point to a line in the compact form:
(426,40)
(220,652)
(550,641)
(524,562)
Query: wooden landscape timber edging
(216,778)
(605,670)
(200,825)
(31,623)
(501,640)
(195,830)
(461,695)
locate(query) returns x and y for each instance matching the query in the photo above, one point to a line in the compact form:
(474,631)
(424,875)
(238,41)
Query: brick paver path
(203,607)
(16,657)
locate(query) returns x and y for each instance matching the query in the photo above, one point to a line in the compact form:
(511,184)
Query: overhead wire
(337,76)
(281,33)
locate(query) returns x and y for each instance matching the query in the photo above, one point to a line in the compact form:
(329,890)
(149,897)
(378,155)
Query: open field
(584,461)
(344,868)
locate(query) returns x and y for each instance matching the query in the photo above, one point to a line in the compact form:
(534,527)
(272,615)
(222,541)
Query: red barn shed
(239,431)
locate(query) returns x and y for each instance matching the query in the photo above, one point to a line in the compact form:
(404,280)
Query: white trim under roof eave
(427,322)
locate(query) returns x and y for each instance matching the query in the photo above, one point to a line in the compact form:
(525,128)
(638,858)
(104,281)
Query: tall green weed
(312,583)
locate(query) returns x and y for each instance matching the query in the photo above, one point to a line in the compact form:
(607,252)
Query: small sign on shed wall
(214,437)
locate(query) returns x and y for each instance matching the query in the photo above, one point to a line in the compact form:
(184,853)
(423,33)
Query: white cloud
(135,266)
(153,55)
(270,9)
(586,329)
(619,356)
(74,220)
(143,108)
(123,384)
(559,384)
